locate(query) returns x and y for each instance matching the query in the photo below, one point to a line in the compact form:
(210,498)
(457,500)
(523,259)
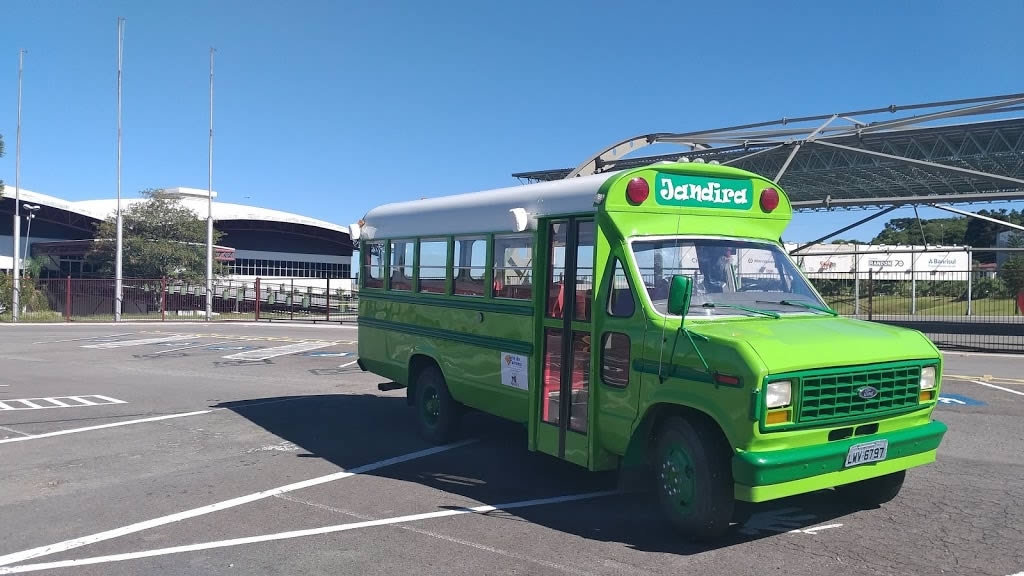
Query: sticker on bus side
(513,371)
(700,192)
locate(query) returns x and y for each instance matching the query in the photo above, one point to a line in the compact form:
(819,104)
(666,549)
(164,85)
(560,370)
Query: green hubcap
(677,478)
(431,406)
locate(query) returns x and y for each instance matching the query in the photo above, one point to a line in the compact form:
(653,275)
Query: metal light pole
(30,210)
(16,296)
(209,210)
(117,259)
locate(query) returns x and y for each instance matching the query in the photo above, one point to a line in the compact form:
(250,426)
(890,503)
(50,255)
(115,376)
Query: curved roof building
(256,242)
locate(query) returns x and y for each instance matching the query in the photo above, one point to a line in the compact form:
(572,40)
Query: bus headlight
(778,394)
(928,378)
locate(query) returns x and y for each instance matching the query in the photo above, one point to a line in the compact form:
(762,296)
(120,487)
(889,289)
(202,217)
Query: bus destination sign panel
(700,192)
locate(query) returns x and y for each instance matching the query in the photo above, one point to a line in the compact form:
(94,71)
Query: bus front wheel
(693,478)
(436,410)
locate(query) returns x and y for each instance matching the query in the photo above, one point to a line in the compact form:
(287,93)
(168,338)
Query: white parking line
(85,338)
(124,343)
(1010,390)
(202,510)
(59,402)
(349,364)
(267,353)
(14,431)
(191,347)
(102,426)
(298,533)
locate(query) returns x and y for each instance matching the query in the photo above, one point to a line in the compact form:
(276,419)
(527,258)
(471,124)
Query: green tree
(31,297)
(982,233)
(1012,271)
(944,231)
(161,237)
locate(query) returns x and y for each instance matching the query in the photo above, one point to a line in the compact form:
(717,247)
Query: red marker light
(769,199)
(637,190)
(726,379)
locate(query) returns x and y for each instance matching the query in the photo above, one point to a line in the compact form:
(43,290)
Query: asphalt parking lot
(237,449)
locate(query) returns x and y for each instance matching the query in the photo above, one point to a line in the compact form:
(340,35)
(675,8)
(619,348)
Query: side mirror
(679,295)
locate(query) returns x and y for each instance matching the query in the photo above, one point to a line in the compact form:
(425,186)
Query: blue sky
(330,108)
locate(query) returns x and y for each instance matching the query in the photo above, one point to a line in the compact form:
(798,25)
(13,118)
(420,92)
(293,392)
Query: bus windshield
(726,274)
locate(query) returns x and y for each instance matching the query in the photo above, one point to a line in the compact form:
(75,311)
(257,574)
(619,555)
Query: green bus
(646,320)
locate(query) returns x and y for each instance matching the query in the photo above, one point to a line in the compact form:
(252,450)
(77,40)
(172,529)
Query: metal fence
(92,300)
(962,310)
(967,309)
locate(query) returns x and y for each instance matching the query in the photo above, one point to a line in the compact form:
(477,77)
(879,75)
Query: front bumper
(761,476)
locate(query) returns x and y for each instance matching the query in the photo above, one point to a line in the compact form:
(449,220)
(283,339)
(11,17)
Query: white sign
(513,370)
(882,262)
(826,262)
(934,263)
(755,261)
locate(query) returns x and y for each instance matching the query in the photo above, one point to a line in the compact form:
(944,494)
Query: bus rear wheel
(693,479)
(873,492)
(437,413)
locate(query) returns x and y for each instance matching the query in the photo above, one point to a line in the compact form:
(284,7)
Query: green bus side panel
(468,344)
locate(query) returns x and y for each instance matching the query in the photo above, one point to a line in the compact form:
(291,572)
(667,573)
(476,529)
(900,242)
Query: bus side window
(513,266)
(620,293)
(433,265)
(373,264)
(401,264)
(470,266)
(615,359)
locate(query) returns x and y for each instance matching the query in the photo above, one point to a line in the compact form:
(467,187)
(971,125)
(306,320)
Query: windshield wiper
(799,304)
(743,308)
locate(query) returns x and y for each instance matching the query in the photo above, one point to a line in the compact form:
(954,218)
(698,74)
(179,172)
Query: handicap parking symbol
(316,354)
(959,400)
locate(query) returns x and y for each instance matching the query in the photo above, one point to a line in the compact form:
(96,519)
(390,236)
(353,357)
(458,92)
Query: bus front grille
(827,396)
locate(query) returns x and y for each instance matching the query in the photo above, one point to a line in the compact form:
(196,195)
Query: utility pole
(209,210)
(117,259)
(16,296)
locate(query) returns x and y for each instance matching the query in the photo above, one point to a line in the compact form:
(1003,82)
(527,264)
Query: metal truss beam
(933,165)
(978,216)
(828,202)
(844,229)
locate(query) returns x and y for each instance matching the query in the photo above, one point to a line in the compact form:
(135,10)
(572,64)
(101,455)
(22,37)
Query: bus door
(619,330)
(564,390)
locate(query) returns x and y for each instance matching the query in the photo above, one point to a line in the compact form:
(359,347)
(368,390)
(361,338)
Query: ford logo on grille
(867,392)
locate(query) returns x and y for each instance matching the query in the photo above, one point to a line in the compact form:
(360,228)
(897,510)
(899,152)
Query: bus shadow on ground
(350,430)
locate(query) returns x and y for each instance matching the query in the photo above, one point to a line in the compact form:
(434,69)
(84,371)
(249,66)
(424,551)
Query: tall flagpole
(16,296)
(209,210)
(117,259)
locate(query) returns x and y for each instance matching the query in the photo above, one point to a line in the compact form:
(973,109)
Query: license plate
(866,452)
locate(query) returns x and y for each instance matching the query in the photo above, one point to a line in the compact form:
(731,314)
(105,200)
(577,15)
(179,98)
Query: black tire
(437,414)
(873,492)
(693,478)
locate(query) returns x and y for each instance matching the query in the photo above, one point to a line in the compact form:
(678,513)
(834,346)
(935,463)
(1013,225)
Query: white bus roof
(482,212)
